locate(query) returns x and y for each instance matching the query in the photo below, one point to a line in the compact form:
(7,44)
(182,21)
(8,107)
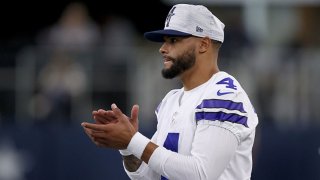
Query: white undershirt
(186,94)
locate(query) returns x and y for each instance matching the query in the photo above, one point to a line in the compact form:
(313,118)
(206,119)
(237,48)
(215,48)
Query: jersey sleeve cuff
(139,173)
(125,152)
(137,144)
(158,158)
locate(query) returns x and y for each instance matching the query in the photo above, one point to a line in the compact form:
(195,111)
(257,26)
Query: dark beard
(180,64)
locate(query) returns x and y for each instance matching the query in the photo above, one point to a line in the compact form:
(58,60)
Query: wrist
(137,144)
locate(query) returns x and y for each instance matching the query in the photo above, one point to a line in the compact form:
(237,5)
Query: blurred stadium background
(61,60)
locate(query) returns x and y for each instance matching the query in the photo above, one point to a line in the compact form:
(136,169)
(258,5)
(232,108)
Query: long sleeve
(211,152)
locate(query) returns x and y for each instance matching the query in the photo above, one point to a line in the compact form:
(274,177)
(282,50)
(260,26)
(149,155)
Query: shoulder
(227,105)
(224,86)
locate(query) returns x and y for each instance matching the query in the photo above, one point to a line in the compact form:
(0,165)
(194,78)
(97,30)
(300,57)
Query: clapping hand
(112,129)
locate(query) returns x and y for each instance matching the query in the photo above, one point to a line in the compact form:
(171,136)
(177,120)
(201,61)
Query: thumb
(134,116)
(135,112)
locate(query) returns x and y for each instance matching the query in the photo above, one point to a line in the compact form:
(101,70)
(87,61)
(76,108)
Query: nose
(163,49)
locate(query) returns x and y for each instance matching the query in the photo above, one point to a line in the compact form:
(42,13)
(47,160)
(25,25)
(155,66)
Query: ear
(205,44)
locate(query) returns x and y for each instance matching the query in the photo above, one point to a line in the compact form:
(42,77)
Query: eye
(172,40)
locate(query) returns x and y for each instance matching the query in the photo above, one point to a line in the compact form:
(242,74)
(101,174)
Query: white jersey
(205,133)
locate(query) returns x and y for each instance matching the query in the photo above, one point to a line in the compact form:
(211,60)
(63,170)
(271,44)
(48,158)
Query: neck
(198,75)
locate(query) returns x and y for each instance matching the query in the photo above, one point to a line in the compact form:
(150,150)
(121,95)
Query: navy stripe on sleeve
(221,116)
(219,103)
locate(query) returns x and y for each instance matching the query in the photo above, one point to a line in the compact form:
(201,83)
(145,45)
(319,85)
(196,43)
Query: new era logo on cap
(188,19)
(199,29)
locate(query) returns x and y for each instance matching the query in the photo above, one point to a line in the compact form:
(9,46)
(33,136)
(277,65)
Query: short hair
(216,43)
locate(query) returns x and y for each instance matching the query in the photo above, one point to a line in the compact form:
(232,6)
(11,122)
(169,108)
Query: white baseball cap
(189,20)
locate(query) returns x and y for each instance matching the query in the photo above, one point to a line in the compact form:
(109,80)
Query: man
(206,129)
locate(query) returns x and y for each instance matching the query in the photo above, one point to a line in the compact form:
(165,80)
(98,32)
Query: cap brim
(157,36)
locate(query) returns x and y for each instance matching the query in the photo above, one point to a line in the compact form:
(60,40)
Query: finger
(105,115)
(101,111)
(116,110)
(89,132)
(94,112)
(108,115)
(99,120)
(104,119)
(97,141)
(96,127)
(99,134)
